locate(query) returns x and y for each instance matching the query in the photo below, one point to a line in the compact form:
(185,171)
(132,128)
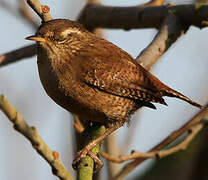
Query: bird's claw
(78,157)
(83,153)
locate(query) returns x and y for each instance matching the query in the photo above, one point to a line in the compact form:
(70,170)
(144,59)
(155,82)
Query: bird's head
(59,34)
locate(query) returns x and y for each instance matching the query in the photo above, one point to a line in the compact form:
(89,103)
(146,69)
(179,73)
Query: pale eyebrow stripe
(71,30)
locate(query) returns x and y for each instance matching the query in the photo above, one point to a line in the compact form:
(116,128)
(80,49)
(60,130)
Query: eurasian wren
(93,78)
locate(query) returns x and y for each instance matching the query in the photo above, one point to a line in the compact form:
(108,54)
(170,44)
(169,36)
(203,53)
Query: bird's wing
(114,71)
(121,87)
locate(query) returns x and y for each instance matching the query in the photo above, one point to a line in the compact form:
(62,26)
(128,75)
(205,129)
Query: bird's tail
(172,93)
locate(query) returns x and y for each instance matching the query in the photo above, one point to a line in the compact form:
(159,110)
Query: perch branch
(195,120)
(32,135)
(86,165)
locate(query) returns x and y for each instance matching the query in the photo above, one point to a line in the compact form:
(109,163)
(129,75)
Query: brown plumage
(93,78)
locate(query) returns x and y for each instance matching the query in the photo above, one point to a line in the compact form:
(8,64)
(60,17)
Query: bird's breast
(53,79)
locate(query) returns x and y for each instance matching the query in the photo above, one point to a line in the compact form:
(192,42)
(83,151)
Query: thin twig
(184,144)
(132,165)
(32,135)
(156,154)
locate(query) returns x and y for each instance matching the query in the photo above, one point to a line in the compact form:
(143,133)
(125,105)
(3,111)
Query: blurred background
(183,68)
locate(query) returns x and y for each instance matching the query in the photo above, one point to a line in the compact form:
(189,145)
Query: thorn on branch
(45,9)
(55,155)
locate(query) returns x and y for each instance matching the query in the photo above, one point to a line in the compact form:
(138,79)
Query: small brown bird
(93,78)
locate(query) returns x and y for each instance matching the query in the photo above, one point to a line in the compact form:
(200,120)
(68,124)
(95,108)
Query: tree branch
(18,54)
(135,17)
(170,31)
(32,135)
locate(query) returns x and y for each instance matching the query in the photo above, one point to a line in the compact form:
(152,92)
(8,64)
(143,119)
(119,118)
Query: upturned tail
(172,93)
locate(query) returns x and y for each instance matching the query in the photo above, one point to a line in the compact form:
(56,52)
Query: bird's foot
(83,153)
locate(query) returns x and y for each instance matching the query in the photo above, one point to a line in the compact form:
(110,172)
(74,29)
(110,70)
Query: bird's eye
(61,38)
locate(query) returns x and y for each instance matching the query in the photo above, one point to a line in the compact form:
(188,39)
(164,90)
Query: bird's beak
(35,38)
